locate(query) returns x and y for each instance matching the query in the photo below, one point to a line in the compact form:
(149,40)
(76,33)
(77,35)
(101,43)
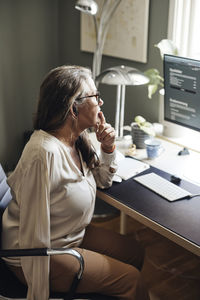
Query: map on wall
(128,31)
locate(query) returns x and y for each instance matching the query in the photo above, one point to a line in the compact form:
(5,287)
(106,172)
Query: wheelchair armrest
(70,251)
(45,252)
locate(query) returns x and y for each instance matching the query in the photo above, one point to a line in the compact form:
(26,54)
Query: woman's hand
(105,134)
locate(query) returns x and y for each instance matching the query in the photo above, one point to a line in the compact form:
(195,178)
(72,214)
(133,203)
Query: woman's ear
(74,110)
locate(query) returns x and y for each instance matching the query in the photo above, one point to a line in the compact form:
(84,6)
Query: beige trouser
(112,264)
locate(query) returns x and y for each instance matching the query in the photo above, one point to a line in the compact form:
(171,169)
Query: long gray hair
(59,90)
(57,94)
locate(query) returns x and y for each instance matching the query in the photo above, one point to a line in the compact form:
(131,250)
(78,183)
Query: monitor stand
(172,131)
(179,135)
(186,138)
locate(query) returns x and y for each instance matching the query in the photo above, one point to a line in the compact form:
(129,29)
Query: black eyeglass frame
(97,96)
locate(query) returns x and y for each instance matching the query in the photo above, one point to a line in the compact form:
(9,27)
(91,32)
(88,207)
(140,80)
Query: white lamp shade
(122,75)
(87,6)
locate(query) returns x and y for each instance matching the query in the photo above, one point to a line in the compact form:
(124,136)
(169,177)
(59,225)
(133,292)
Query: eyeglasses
(97,96)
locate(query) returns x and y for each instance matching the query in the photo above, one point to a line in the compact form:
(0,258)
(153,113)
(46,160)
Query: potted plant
(140,131)
(165,46)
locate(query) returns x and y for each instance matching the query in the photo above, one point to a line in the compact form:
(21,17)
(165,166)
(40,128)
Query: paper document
(128,167)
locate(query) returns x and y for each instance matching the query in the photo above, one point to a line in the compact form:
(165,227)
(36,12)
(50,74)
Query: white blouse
(53,202)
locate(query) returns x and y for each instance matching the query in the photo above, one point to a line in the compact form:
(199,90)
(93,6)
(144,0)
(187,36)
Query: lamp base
(124,143)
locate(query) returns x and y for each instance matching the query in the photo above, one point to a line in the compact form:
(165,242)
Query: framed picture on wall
(127,36)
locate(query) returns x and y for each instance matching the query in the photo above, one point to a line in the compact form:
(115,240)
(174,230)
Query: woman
(54,188)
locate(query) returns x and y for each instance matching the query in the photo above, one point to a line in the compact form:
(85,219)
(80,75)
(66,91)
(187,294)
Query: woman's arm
(105,134)
(34,227)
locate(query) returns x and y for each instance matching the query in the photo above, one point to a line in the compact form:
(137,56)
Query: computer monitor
(182,98)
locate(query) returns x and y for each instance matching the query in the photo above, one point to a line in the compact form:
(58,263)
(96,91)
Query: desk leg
(123,222)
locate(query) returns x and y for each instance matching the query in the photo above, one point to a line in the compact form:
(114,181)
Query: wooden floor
(170,272)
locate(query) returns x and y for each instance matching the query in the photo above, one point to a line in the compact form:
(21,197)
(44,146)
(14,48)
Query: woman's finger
(102,118)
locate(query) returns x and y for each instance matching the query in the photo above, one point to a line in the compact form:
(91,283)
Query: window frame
(181,26)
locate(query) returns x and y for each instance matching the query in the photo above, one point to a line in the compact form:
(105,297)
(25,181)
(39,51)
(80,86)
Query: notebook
(129,167)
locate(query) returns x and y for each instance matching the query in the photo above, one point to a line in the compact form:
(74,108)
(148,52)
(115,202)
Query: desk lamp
(121,76)
(101,27)
(89,7)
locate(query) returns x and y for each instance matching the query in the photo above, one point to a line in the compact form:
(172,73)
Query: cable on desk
(192,196)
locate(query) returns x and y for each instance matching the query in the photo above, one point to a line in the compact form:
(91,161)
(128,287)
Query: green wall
(37,35)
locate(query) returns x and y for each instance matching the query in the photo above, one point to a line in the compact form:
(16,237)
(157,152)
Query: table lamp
(121,76)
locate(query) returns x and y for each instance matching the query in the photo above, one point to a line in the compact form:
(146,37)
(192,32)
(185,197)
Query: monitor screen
(181,109)
(182,91)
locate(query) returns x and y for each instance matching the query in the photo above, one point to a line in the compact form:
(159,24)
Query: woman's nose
(101,102)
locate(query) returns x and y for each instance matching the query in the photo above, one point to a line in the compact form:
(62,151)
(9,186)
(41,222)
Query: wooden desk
(178,221)
(186,166)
